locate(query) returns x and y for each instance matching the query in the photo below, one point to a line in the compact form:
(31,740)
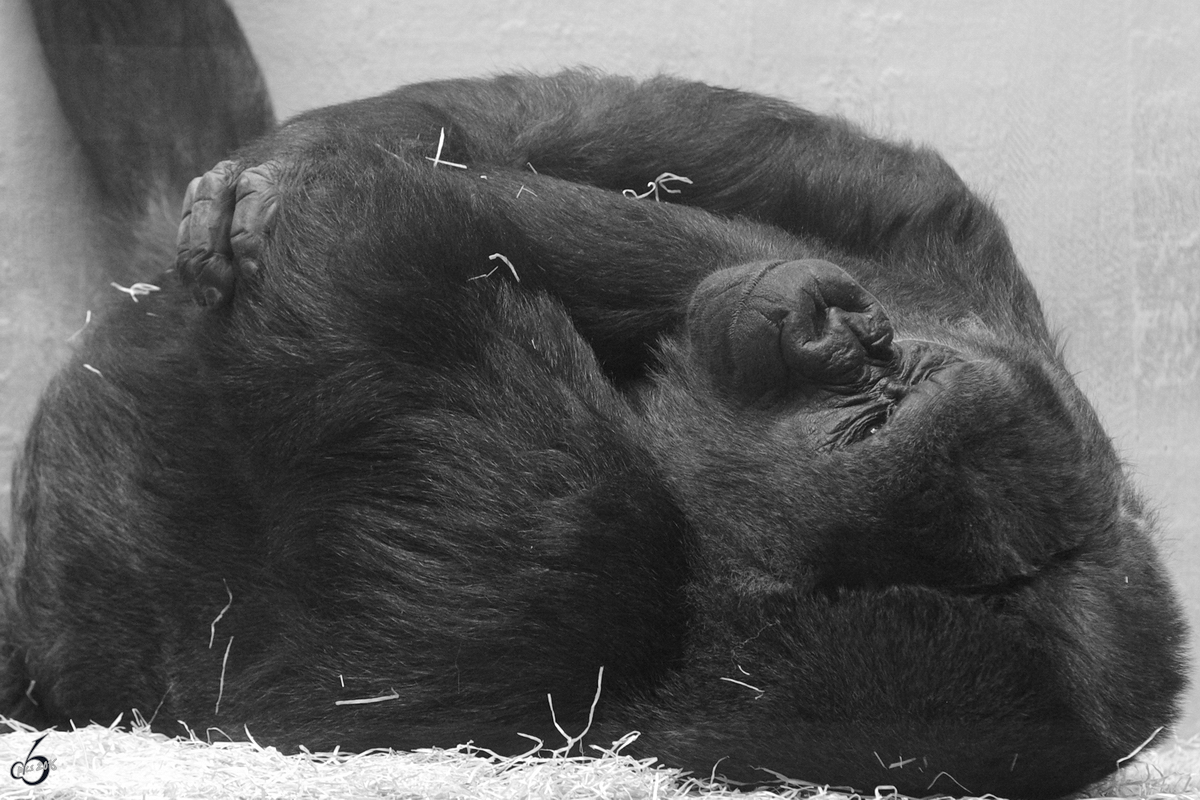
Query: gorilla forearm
(899,208)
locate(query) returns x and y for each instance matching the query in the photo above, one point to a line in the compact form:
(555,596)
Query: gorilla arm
(625,269)
(927,241)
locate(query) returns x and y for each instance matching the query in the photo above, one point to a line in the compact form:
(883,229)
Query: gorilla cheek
(767,327)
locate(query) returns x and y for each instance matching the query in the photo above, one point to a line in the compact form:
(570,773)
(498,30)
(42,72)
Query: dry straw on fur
(100,762)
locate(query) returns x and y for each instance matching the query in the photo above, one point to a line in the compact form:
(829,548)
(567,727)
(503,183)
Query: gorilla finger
(256,205)
(214,280)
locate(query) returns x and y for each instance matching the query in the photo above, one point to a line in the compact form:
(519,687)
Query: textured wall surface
(1080,119)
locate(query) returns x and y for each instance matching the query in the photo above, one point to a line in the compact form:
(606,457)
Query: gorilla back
(791,457)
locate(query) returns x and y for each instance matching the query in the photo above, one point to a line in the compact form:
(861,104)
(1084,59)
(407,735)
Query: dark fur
(911,537)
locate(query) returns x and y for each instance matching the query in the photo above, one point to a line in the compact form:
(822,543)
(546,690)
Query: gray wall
(1080,119)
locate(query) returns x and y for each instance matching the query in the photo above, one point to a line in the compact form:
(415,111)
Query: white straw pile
(99,762)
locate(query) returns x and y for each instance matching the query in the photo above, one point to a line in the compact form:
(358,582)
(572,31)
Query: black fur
(792,457)
(154,95)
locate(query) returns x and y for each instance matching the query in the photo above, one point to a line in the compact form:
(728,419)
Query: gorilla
(700,414)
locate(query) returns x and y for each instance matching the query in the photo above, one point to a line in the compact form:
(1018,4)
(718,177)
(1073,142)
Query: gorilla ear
(773,326)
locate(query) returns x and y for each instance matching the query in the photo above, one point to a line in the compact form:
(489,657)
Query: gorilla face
(956,462)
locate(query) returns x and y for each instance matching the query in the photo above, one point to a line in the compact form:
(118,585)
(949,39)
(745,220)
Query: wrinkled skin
(791,456)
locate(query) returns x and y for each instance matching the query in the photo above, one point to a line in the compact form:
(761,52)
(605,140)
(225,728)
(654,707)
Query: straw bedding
(107,762)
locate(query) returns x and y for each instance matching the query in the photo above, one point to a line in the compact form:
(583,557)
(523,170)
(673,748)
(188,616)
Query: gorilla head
(924,456)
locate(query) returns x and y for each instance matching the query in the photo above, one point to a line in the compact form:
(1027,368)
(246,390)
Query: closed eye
(873,424)
(864,425)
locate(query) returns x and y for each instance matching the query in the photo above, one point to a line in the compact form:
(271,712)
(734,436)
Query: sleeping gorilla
(791,457)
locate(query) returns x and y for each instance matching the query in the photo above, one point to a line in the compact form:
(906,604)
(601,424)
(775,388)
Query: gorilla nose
(770,326)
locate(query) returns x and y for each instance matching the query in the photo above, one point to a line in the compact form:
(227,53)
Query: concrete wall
(1080,119)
